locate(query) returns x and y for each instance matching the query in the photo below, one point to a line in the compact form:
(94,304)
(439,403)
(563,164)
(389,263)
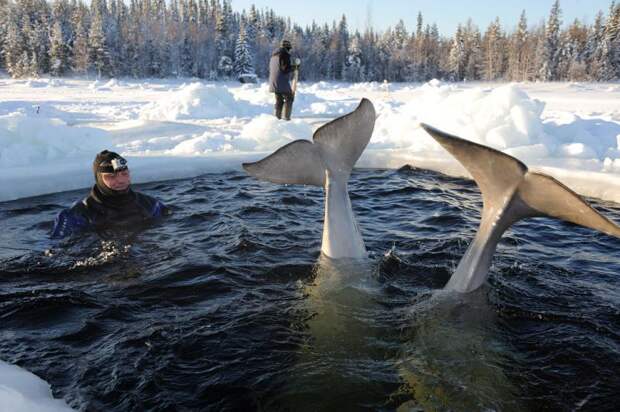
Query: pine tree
(354,70)
(339,47)
(132,49)
(551,49)
(80,59)
(4,25)
(433,45)
(610,55)
(59,59)
(16,56)
(222,27)
(400,58)
(571,61)
(518,53)
(419,59)
(113,37)
(97,45)
(384,51)
(400,35)
(172,38)
(473,53)
(61,23)
(251,27)
(457,59)
(34,18)
(494,52)
(593,54)
(186,60)
(243,65)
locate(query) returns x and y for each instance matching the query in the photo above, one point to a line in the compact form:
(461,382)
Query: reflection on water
(227,304)
(455,359)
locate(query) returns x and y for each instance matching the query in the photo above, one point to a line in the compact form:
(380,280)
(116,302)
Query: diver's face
(118,181)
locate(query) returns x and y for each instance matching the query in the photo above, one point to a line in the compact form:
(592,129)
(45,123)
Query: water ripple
(223,305)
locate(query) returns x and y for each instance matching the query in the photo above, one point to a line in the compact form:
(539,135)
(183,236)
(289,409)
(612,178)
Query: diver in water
(111,203)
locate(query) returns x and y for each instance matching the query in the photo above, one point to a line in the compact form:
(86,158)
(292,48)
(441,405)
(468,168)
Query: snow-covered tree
(400,59)
(571,61)
(473,51)
(518,55)
(222,45)
(384,51)
(15,51)
(4,15)
(244,62)
(494,51)
(192,37)
(59,51)
(593,54)
(458,58)
(353,68)
(339,45)
(80,58)
(610,53)
(551,49)
(97,43)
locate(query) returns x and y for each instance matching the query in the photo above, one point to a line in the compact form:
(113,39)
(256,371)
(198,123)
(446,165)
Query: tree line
(207,39)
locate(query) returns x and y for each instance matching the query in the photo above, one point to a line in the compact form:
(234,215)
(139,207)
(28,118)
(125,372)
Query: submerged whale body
(510,192)
(327,162)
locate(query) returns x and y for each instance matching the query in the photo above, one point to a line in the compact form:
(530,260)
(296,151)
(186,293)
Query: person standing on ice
(280,69)
(111,204)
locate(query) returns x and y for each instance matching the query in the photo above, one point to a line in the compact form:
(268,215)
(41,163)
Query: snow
(51,129)
(22,391)
(199,101)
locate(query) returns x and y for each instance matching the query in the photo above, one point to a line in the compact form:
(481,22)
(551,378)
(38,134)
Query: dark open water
(224,307)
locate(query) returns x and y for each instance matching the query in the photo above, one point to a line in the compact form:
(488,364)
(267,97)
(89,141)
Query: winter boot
(278,105)
(288,107)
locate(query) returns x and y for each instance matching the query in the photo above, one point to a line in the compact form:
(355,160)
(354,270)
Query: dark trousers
(284,100)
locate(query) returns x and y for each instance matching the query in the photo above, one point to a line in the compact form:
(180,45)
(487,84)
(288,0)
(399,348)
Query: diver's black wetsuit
(100,213)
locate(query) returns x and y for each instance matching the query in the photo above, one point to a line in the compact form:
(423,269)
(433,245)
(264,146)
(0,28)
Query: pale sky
(446,13)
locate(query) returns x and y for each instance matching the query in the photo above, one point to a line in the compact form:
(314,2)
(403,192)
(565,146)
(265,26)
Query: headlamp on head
(119,164)
(114,165)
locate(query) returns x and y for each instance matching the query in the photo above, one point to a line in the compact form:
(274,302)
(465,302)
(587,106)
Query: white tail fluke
(336,147)
(326,162)
(510,192)
(298,162)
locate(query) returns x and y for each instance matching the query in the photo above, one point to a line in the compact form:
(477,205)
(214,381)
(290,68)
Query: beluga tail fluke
(327,161)
(510,192)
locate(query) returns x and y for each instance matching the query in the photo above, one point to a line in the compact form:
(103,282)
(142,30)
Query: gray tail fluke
(545,194)
(336,147)
(495,173)
(510,192)
(498,174)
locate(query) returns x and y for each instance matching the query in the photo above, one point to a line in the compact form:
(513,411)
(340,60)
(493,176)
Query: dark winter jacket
(93,214)
(279,72)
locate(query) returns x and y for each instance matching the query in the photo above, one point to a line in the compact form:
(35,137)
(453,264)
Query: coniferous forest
(207,39)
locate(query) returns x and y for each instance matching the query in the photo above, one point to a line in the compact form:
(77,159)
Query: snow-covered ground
(50,129)
(22,391)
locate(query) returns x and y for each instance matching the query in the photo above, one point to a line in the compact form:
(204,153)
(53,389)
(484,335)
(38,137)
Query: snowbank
(507,119)
(265,133)
(171,129)
(22,391)
(199,101)
(30,136)
(504,118)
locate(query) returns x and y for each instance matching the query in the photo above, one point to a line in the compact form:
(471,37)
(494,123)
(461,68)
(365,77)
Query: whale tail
(327,161)
(510,192)
(335,148)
